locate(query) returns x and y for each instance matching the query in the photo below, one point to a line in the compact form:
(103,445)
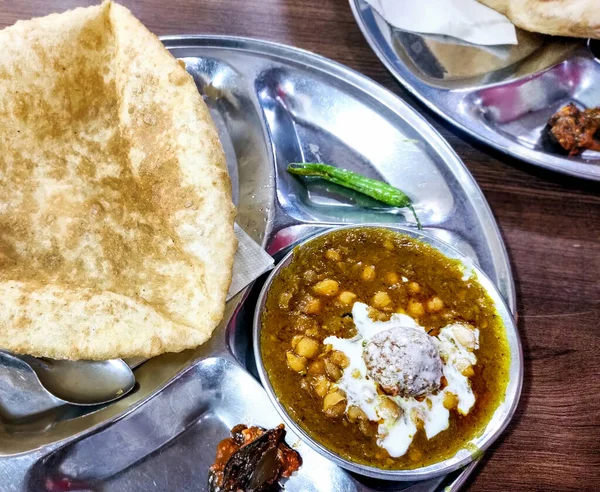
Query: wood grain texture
(551,224)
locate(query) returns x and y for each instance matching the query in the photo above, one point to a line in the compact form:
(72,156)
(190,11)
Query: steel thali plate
(272,105)
(501,95)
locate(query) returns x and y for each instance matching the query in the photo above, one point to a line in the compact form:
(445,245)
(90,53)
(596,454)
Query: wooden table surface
(550,222)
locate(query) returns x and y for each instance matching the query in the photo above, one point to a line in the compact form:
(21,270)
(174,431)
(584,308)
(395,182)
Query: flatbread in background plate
(116,219)
(572,18)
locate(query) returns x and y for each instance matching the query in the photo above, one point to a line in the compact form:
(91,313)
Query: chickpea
(333,398)
(465,336)
(307,347)
(336,411)
(368,273)
(389,408)
(284,300)
(347,297)
(321,386)
(310,305)
(354,414)
(333,255)
(316,368)
(450,401)
(389,245)
(435,305)
(339,359)
(414,287)
(327,288)
(333,371)
(294,362)
(391,278)
(295,340)
(381,300)
(312,332)
(415,308)
(376,315)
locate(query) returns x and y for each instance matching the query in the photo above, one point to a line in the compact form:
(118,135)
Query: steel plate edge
(386,98)
(529,156)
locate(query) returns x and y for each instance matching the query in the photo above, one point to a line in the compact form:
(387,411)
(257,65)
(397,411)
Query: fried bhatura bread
(572,18)
(116,219)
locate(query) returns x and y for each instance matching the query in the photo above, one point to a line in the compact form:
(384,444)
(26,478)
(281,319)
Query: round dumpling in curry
(382,349)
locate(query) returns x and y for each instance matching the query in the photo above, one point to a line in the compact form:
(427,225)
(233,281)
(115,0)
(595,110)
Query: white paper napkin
(250,262)
(463,19)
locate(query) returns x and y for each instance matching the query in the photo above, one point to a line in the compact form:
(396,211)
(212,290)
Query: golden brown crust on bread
(116,220)
(572,18)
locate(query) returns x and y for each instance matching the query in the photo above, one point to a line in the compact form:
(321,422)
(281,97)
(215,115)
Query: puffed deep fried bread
(116,220)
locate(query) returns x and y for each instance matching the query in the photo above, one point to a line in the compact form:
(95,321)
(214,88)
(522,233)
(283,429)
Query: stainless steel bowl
(497,424)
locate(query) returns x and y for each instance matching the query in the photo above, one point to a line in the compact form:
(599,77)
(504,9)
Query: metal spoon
(82,382)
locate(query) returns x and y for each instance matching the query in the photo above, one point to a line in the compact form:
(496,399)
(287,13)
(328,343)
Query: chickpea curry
(382,349)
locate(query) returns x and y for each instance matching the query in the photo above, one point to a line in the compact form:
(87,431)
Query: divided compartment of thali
(272,105)
(503,95)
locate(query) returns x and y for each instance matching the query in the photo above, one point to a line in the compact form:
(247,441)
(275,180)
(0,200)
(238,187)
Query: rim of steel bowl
(476,446)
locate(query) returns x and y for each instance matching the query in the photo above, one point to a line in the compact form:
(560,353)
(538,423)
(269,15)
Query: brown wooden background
(551,224)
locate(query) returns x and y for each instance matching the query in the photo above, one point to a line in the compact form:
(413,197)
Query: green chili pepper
(374,188)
